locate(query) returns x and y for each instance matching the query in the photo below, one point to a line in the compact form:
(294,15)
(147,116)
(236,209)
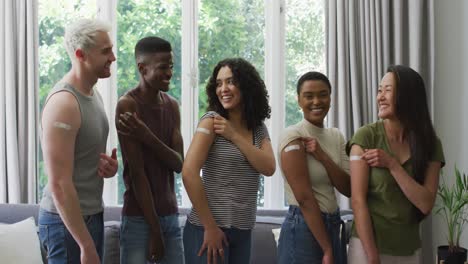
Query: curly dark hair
(252,88)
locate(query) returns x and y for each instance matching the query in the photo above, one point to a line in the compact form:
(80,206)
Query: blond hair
(82,33)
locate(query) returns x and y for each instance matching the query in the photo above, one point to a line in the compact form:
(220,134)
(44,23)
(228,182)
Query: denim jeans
(297,244)
(238,251)
(134,236)
(58,242)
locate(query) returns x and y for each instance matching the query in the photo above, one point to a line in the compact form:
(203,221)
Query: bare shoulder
(126,103)
(293,147)
(62,107)
(206,123)
(174,103)
(62,101)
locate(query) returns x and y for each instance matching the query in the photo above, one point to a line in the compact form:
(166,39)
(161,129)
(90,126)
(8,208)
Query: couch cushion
(19,243)
(111,242)
(264,247)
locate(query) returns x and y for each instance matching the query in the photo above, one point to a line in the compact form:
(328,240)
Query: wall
(450,98)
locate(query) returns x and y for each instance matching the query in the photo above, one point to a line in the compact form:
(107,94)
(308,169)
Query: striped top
(230,182)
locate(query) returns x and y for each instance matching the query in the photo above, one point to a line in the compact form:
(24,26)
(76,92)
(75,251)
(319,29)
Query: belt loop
(294,210)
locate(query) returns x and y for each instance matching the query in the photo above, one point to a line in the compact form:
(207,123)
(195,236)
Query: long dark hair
(252,88)
(413,112)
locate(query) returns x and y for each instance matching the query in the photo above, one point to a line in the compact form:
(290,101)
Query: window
(305,48)
(282,39)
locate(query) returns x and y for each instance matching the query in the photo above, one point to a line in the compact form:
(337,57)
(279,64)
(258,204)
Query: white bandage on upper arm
(62,125)
(203,130)
(354,157)
(291,147)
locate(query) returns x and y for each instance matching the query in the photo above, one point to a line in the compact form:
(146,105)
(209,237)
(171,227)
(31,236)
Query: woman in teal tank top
(395,164)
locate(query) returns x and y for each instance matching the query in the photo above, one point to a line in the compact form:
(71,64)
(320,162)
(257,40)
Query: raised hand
(108,166)
(312,147)
(130,125)
(378,158)
(222,127)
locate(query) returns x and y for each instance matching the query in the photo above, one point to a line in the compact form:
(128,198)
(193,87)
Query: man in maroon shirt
(148,121)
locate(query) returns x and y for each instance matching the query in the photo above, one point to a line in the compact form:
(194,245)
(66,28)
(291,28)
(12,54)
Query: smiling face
(157,70)
(386,96)
(99,57)
(314,99)
(227,92)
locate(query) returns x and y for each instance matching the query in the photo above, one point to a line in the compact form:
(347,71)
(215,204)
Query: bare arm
(196,157)
(359,185)
(61,120)
(422,196)
(171,156)
(177,142)
(338,177)
(294,165)
(213,237)
(262,159)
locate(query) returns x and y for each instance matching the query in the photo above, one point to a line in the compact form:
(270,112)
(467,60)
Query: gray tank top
(90,142)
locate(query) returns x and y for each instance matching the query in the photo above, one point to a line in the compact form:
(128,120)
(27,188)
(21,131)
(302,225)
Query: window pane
(54,62)
(137,19)
(305,48)
(234,28)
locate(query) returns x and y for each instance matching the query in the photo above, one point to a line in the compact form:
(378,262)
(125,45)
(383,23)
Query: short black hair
(252,87)
(312,76)
(150,45)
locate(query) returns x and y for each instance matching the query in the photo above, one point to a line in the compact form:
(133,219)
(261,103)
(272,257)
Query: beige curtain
(18,100)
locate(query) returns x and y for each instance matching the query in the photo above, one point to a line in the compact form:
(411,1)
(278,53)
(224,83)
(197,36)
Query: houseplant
(452,207)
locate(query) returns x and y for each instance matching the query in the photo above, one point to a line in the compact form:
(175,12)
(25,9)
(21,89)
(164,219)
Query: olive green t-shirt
(394,217)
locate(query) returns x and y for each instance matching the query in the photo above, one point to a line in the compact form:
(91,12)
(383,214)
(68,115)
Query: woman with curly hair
(232,148)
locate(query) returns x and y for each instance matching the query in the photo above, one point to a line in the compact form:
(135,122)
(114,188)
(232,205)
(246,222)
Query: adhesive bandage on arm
(354,157)
(203,130)
(62,125)
(291,147)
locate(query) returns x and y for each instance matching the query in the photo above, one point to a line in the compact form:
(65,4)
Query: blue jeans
(297,244)
(59,243)
(238,251)
(134,236)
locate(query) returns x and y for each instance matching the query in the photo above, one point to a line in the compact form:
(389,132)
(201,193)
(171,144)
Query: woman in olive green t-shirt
(395,165)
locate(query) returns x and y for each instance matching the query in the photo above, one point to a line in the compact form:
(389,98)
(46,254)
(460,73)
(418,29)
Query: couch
(263,241)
